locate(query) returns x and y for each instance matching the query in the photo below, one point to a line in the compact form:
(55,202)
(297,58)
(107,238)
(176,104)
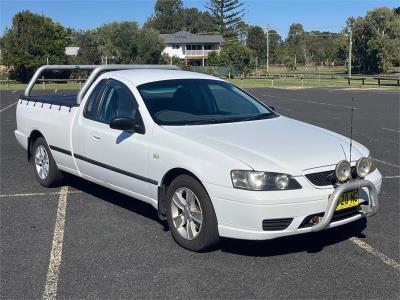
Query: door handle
(95,138)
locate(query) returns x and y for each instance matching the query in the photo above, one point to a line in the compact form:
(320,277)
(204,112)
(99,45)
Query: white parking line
(50,290)
(391,177)
(394,130)
(13,92)
(309,102)
(386,163)
(11,105)
(36,194)
(386,259)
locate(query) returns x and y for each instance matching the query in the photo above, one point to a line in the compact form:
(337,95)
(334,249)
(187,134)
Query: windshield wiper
(210,121)
(224,120)
(259,117)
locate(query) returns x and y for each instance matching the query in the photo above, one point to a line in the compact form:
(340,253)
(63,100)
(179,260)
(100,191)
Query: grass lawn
(297,82)
(289,82)
(39,86)
(302,69)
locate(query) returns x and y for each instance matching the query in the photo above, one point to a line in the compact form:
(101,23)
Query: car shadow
(308,242)
(110,196)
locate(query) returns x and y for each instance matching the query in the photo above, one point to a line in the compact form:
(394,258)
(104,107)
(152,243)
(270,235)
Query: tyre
(190,214)
(46,170)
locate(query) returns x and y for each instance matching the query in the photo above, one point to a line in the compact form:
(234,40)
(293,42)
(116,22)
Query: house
(193,48)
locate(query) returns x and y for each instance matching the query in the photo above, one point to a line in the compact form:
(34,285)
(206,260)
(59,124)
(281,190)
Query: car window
(117,101)
(200,101)
(232,100)
(90,111)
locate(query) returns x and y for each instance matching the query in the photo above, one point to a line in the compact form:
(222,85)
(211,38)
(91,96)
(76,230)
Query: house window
(208,47)
(176,46)
(194,47)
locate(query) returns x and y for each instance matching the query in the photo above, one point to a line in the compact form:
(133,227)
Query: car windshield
(200,101)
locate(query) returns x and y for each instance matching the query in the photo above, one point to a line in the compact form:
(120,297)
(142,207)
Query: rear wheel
(190,214)
(46,170)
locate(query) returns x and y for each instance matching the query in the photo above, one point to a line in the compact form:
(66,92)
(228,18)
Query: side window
(118,101)
(229,101)
(90,111)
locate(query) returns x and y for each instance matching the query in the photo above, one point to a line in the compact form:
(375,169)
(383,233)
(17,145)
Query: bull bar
(367,210)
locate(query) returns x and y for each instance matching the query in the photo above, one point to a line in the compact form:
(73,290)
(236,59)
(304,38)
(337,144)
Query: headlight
(364,166)
(263,181)
(343,170)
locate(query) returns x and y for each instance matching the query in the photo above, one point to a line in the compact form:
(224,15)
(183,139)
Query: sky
(323,15)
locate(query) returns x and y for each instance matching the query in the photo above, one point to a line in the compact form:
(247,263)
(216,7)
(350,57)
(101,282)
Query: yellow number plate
(347,200)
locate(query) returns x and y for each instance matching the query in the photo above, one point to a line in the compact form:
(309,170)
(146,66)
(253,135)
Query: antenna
(351,126)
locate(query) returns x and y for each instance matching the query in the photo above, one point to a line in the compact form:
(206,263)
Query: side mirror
(127,124)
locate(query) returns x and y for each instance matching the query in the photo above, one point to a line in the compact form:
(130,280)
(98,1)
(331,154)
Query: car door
(84,138)
(121,155)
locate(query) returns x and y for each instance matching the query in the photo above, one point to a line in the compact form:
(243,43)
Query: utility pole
(350,51)
(267,48)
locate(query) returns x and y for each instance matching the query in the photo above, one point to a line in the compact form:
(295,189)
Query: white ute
(213,160)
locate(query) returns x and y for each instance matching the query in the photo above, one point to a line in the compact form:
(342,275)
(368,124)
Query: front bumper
(243,219)
(367,208)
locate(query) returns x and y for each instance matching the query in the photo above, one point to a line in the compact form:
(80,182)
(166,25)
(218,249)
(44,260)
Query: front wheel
(46,170)
(190,214)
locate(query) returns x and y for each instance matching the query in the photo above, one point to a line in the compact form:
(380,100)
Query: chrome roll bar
(97,69)
(368,210)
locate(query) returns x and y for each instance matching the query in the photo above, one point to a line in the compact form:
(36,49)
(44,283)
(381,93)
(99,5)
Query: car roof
(141,76)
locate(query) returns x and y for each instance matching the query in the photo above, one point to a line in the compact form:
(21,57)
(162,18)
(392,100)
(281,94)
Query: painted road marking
(11,105)
(394,130)
(386,259)
(391,177)
(37,194)
(309,102)
(13,92)
(50,290)
(386,163)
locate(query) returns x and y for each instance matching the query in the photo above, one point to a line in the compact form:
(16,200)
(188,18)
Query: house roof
(184,37)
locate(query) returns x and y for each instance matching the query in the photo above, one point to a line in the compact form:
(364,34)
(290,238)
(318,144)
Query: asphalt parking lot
(115,247)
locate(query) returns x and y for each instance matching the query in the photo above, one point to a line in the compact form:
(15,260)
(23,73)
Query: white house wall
(174,52)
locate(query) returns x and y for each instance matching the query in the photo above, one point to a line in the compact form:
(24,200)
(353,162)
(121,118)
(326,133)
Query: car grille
(326,177)
(276,224)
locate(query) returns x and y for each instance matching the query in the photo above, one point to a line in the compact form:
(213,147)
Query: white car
(212,159)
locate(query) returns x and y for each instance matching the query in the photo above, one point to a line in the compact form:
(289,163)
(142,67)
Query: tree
(30,41)
(214,59)
(295,42)
(237,57)
(88,51)
(397,11)
(195,21)
(257,42)
(171,16)
(149,47)
(321,45)
(228,14)
(118,41)
(167,16)
(275,42)
(376,40)
(242,32)
(126,43)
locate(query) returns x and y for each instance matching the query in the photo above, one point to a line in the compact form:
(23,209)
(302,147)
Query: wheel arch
(35,134)
(166,180)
